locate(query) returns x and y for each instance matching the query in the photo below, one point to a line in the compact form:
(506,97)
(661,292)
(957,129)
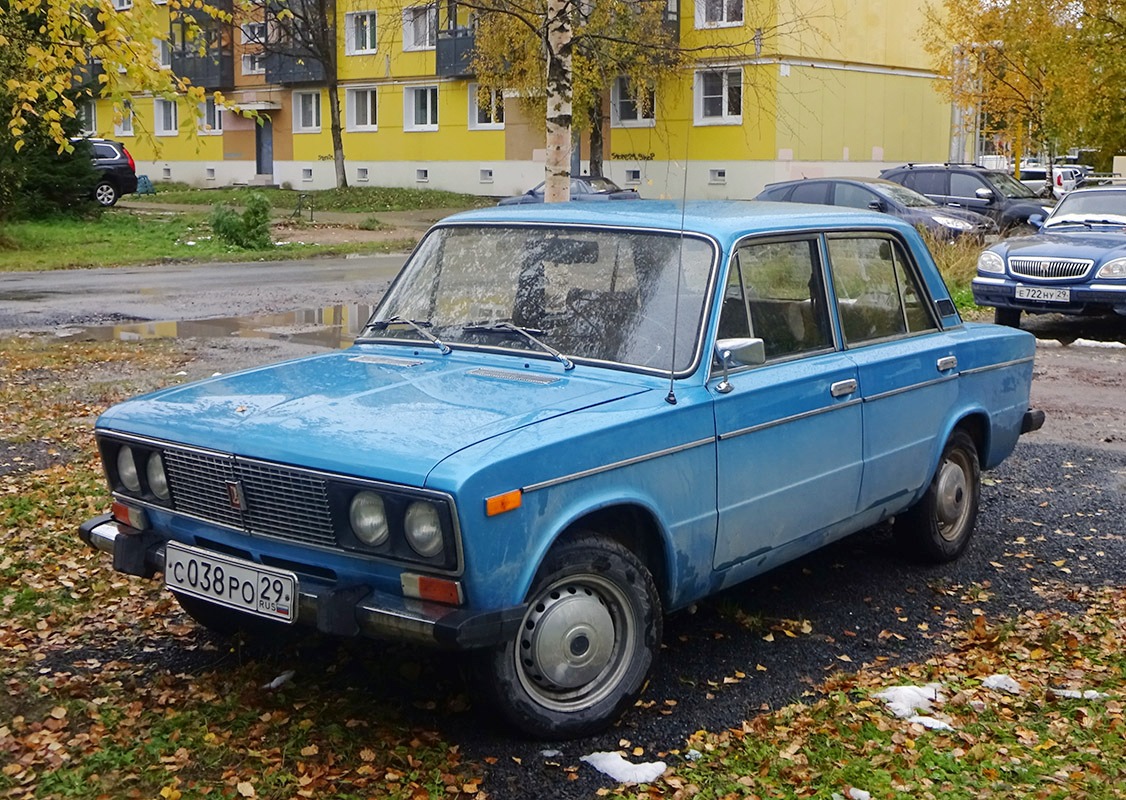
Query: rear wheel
(585,646)
(939,526)
(105,193)
(1007,316)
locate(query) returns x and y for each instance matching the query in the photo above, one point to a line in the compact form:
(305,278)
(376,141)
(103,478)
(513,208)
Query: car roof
(726,220)
(838,179)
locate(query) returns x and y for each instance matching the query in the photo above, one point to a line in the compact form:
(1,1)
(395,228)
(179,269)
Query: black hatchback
(886,197)
(115,169)
(991,192)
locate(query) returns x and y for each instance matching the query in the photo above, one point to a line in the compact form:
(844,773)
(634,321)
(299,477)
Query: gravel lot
(1052,515)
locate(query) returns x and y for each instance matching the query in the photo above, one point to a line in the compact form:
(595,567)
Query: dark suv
(990,192)
(116,172)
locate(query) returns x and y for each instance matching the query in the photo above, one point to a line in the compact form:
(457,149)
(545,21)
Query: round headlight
(127,469)
(990,262)
(369,518)
(158,481)
(424,529)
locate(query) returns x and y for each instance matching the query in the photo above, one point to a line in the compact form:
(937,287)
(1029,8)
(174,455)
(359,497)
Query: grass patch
(957,261)
(352,198)
(120,238)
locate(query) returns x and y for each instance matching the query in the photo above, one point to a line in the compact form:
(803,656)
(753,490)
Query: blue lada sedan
(563,422)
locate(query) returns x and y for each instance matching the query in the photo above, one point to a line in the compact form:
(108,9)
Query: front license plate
(1043,293)
(231,582)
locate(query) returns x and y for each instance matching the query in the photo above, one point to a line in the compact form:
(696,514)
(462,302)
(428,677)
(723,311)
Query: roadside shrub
(249,230)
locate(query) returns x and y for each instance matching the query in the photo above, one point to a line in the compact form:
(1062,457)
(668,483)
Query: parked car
(1076,264)
(117,172)
(884,196)
(990,192)
(565,420)
(1062,179)
(583,187)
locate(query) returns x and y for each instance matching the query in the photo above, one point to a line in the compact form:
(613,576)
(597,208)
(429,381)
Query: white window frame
(87,113)
(726,118)
(210,108)
(410,122)
(299,98)
(253,33)
(620,89)
(475,123)
(122,5)
(351,20)
(125,126)
(161,126)
(163,53)
(249,59)
(353,96)
(410,43)
(727,13)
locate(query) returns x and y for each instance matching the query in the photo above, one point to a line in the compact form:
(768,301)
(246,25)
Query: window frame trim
(350,95)
(474,107)
(297,127)
(699,119)
(410,125)
(408,20)
(373,36)
(616,120)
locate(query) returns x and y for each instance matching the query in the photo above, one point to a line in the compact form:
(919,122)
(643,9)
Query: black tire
(584,650)
(228,622)
(938,528)
(1009,317)
(106,194)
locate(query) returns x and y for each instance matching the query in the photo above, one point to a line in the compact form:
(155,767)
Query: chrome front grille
(1050,268)
(253,496)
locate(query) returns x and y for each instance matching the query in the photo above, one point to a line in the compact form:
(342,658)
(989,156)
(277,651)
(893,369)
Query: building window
(719,13)
(360,27)
(306,112)
(628,108)
(633,176)
(486,108)
(253,32)
(87,113)
(163,53)
(123,5)
(420,26)
(362,174)
(719,97)
(253,64)
(422,175)
(362,110)
(421,112)
(167,118)
(307,174)
(210,118)
(486,176)
(124,127)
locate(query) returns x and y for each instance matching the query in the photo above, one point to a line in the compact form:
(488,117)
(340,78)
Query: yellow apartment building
(837,87)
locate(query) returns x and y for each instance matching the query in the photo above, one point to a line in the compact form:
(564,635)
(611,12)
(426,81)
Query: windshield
(1100,205)
(908,197)
(1009,186)
(607,295)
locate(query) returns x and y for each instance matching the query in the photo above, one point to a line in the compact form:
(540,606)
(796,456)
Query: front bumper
(1000,292)
(342,611)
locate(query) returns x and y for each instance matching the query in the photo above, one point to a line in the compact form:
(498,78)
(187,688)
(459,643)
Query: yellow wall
(144,144)
(856,31)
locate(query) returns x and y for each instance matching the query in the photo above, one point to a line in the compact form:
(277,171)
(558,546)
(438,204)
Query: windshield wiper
(420,327)
(528,333)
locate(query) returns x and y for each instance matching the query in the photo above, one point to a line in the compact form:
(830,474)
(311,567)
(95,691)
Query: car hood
(367,413)
(1074,243)
(930,212)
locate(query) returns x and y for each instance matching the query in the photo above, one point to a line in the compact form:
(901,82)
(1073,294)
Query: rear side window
(878,295)
(104,151)
(925,181)
(814,192)
(778,194)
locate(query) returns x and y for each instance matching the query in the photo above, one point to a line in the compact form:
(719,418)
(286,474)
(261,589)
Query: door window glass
(962,185)
(853,196)
(926,181)
(815,192)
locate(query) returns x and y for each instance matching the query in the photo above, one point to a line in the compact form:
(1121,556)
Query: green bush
(249,230)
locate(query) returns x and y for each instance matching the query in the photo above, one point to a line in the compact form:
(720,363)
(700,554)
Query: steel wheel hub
(952,497)
(568,638)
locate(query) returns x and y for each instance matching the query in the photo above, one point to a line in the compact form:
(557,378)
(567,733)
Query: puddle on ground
(331,326)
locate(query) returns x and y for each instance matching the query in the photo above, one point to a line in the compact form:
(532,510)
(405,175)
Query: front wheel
(585,645)
(939,526)
(1007,316)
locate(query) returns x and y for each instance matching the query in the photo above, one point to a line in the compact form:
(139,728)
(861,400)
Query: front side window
(421,110)
(360,28)
(963,185)
(307,112)
(362,110)
(717,13)
(605,295)
(420,26)
(719,97)
(775,292)
(486,108)
(852,196)
(878,295)
(631,106)
(210,117)
(167,119)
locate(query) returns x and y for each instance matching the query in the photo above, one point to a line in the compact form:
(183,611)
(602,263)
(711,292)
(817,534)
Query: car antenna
(670,398)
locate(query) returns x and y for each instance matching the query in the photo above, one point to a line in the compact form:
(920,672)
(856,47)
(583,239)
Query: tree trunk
(337,139)
(596,140)
(557,169)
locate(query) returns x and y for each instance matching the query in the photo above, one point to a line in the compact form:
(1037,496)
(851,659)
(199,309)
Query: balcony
(453,44)
(202,49)
(285,68)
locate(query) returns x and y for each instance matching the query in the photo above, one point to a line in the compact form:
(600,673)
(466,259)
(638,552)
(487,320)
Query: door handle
(842,388)
(947,363)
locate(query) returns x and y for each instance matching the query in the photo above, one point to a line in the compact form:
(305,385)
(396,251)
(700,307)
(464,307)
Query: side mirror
(877,205)
(737,353)
(984,194)
(1036,221)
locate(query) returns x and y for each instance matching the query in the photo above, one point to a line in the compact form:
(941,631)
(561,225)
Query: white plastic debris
(854,794)
(550,753)
(931,723)
(623,771)
(904,701)
(281,680)
(1002,683)
(1093,343)
(1075,694)
(693,755)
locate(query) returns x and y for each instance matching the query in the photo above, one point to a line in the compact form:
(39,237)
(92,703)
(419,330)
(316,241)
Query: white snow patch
(1075,694)
(1093,343)
(1049,344)
(1002,683)
(904,701)
(624,771)
(931,723)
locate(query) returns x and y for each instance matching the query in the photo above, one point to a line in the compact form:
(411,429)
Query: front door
(264,146)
